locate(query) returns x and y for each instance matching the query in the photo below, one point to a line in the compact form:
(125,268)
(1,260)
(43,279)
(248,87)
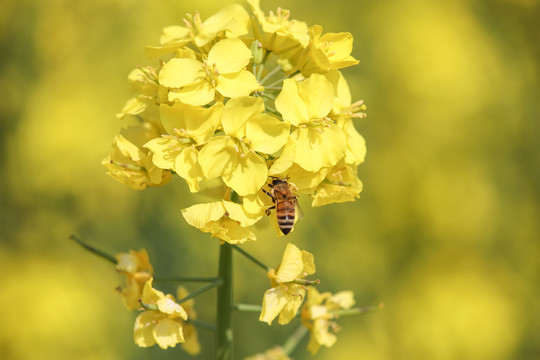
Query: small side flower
(317,316)
(137,268)
(285,297)
(162,320)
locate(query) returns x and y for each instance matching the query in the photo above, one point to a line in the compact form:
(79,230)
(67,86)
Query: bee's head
(277,180)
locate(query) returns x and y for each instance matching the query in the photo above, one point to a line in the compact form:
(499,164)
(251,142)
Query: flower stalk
(224,331)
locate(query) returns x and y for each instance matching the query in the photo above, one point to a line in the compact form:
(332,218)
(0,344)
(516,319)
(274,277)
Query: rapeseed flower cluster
(242,99)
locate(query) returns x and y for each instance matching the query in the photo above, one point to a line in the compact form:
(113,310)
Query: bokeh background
(446,233)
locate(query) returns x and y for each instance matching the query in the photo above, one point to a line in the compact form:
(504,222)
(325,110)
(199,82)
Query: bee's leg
(268,210)
(269,194)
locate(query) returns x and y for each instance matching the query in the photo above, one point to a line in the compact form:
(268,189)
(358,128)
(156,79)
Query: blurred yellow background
(446,233)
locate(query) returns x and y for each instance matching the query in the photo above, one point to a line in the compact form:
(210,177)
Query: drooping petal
(309,263)
(274,301)
(248,176)
(180,72)
(291,105)
(266,133)
(294,301)
(236,84)
(229,56)
(168,333)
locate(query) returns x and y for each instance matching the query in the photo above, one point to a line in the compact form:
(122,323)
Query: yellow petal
(200,214)
(133,106)
(230,231)
(173,33)
(291,264)
(274,301)
(266,133)
(170,307)
(286,159)
(309,262)
(294,301)
(196,94)
(180,72)
(290,104)
(229,56)
(218,157)
(241,83)
(237,112)
(318,95)
(199,123)
(356,145)
(248,176)
(319,147)
(233,20)
(151,295)
(187,166)
(168,333)
(165,152)
(143,329)
(237,213)
(341,300)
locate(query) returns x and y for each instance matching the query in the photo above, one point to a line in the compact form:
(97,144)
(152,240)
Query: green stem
(270,74)
(357,311)
(255,261)
(248,307)
(294,339)
(199,291)
(224,332)
(101,254)
(202,324)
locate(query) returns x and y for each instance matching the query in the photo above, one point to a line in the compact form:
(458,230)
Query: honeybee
(286,203)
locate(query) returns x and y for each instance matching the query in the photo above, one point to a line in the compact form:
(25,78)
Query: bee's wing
(299,211)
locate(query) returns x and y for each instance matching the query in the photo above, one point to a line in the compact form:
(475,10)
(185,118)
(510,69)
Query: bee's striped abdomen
(285,214)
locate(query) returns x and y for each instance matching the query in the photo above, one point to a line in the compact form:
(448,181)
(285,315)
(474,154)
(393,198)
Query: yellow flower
(188,126)
(317,316)
(191,344)
(131,164)
(275,353)
(223,71)
(343,112)
(340,185)
(163,324)
(235,155)
(136,266)
(326,52)
(317,141)
(145,83)
(285,297)
(230,22)
(279,34)
(225,220)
